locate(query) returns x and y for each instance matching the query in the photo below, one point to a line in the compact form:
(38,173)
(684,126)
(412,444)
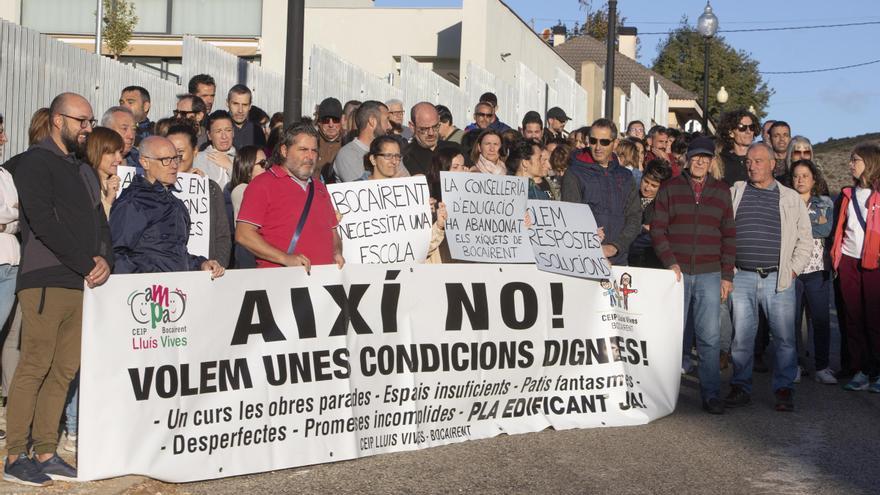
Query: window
(198,17)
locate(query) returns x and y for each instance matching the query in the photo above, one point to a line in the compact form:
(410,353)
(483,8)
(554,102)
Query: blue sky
(831,104)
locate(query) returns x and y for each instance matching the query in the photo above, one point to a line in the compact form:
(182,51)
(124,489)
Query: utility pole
(293,61)
(609,59)
(99,27)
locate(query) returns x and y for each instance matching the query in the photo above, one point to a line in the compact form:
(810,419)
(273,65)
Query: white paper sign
(185,378)
(486,217)
(384,221)
(565,239)
(193,191)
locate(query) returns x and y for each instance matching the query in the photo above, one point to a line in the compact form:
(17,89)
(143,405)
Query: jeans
(702,304)
(8,274)
(726,326)
(814,291)
(72,409)
(750,295)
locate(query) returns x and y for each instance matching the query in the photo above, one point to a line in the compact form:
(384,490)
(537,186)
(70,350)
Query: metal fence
(34,68)
(651,108)
(565,92)
(330,75)
(201,57)
(422,84)
(479,80)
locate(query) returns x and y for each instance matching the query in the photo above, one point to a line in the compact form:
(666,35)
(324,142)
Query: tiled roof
(581,49)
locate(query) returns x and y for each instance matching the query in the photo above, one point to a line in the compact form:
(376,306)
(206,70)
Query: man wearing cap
(329,135)
(532,126)
(694,235)
(556,120)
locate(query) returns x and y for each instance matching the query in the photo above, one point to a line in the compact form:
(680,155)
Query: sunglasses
(744,128)
(183,113)
(329,120)
(484,115)
(602,142)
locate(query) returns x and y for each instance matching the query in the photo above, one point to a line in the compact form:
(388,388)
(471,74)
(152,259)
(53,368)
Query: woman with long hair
(486,154)
(628,156)
(813,285)
(855,255)
(449,159)
(104,153)
(250,161)
(525,160)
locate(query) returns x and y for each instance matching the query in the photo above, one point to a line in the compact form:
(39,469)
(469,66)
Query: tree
(596,23)
(118,25)
(680,59)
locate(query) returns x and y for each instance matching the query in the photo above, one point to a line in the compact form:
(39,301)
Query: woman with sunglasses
(736,132)
(250,161)
(855,254)
(813,285)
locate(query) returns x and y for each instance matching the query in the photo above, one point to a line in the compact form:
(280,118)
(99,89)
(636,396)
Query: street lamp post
(707,26)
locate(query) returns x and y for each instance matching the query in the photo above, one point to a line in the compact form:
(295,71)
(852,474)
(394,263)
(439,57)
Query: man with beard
(286,216)
(65,244)
(372,121)
(246,132)
(137,99)
(425,121)
(121,120)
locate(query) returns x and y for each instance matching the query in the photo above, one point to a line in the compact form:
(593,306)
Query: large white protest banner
(193,191)
(384,221)
(565,239)
(486,217)
(185,378)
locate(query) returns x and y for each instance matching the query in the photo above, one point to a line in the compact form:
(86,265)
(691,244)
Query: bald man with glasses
(149,225)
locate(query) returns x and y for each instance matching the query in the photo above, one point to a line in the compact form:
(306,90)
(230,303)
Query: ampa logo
(618,293)
(157,304)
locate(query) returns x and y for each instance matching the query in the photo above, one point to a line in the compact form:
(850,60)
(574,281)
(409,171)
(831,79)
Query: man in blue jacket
(595,178)
(149,226)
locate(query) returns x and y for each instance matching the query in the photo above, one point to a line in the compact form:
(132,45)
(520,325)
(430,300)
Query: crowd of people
(748,226)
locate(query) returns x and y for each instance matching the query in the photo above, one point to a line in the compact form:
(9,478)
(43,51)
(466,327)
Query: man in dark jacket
(596,179)
(149,225)
(247,133)
(65,242)
(694,235)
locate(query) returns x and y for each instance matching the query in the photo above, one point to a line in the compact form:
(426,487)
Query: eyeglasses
(393,157)
(745,127)
(83,122)
(183,113)
(603,142)
(166,161)
(426,130)
(329,120)
(701,160)
(484,115)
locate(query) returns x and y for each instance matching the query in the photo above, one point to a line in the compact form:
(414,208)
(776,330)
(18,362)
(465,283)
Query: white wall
(490,28)
(11,10)
(367,36)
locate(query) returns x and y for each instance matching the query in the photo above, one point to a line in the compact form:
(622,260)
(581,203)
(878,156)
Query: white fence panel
(34,68)
(639,107)
(200,57)
(531,94)
(422,84)
(565,92)
(479,81)
(661,107)
(329,75)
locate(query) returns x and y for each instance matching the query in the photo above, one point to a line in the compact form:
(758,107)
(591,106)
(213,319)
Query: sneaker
(25,471)
(797,376)
(713,406)
(70,443)
(737,397)
(859,382)
(826,377)
(784,400)
(56,468)
(875,387)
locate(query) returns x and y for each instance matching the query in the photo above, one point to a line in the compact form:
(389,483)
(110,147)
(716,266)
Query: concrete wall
(491,29)
(11,10)
(366,36)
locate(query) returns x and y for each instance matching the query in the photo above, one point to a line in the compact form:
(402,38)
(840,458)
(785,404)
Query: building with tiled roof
(587,55)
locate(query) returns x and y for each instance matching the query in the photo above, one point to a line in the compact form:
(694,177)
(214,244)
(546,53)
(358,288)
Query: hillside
(833,157)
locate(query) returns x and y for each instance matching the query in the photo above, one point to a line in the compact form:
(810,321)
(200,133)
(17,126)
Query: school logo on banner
(158,309)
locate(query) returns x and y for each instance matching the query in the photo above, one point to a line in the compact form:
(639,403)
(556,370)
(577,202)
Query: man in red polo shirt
(274,202)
